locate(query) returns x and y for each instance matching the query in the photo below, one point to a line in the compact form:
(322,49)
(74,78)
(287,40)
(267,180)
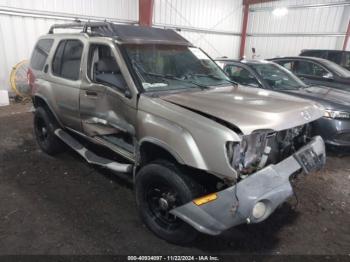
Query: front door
(106,110)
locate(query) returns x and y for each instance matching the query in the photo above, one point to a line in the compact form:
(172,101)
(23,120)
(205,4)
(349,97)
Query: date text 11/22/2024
(173,258)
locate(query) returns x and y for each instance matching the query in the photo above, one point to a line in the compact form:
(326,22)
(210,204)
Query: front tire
(160,187)
(44,130)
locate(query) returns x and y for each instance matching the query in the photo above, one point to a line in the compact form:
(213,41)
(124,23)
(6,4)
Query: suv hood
(249,109)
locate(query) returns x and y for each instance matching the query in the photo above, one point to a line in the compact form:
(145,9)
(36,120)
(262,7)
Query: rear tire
(44,130)
(161,186)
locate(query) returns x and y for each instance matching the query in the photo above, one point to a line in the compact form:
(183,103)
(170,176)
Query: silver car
(204,153)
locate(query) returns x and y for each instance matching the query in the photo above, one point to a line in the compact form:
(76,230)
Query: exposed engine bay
(264,147)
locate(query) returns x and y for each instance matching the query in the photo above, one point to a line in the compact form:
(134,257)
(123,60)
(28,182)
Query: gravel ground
(62,205)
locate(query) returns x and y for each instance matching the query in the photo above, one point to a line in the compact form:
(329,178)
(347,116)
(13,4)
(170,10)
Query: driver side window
(103,67)
(241,75)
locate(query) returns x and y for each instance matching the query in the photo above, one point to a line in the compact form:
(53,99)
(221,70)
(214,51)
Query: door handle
(91,93)
(46,68)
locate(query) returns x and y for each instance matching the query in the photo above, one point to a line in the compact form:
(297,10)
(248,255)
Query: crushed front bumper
(271,186)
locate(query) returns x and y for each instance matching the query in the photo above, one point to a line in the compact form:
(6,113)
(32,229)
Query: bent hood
(249,109)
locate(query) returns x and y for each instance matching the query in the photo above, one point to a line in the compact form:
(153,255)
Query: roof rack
(125,33)
(78,24)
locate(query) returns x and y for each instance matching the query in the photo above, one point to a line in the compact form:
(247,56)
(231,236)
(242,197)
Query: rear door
(65,71)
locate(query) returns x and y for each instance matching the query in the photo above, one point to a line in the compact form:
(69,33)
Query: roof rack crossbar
(78,24)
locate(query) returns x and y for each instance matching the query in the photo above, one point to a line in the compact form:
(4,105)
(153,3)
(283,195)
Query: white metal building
(214,25)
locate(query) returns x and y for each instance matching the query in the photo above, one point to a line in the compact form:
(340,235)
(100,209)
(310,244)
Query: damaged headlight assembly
(250,154)
(264,147)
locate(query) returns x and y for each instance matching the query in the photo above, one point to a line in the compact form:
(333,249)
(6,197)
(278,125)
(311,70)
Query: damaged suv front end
(255,164)
(255,197)
(252,141)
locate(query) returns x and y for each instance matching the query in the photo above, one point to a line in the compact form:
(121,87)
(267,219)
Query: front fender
(199,141)
(173,138)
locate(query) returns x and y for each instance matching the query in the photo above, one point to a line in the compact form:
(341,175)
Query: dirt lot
(63,205)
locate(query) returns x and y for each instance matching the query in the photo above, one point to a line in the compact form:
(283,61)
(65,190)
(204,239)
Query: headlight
(336,114)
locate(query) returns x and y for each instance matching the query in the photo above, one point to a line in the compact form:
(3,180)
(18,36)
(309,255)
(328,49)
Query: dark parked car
(334,127)
(339,57)
(317,71)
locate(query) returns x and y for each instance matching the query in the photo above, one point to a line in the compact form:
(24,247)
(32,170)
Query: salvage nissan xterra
(205,154)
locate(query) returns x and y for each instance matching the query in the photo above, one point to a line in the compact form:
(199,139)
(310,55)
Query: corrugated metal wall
(124,9)
(267,28)
(18,32)
(281,3)
(213,25)
(222,16)
(216,45)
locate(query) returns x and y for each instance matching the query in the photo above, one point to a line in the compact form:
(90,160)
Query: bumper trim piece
(269,185)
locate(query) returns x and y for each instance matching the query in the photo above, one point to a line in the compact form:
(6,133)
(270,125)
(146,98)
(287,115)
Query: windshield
(340,71)
(170,67)
(277,77)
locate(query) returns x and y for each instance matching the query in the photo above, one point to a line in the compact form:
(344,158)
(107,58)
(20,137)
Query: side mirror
(328,75)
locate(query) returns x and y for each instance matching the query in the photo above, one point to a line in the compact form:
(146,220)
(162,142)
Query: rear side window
(66,62)
(40,53)
(309,68)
